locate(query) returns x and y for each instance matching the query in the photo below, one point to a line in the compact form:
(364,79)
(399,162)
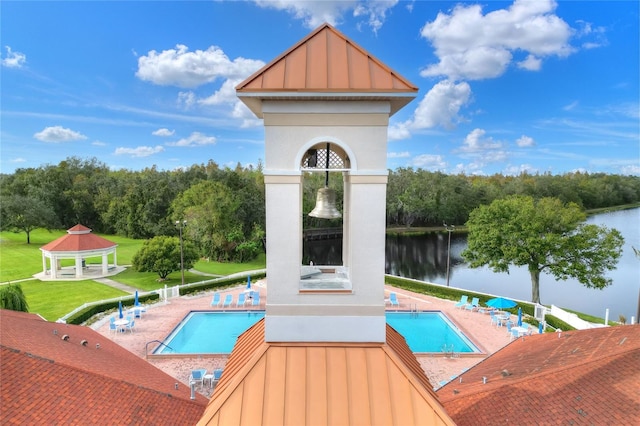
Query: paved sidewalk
(116,284)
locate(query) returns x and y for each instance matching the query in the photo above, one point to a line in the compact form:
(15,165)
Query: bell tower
(326,104)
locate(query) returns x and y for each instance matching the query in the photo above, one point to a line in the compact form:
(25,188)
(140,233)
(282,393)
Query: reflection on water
(425,258)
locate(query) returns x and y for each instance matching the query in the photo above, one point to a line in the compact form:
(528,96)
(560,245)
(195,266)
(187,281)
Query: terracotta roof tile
(78,238)
(322,384)
(576,377)
(48,380)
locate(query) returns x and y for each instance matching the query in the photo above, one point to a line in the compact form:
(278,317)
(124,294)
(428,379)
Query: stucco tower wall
(360,128)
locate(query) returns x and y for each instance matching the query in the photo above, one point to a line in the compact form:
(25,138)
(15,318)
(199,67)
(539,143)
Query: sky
(504,87)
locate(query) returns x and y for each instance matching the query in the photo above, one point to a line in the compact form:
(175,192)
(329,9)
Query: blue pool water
(216,332)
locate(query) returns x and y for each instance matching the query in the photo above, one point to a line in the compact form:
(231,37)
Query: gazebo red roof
(78,238)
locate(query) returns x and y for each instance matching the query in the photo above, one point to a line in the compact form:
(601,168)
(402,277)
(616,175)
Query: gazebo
(78,244)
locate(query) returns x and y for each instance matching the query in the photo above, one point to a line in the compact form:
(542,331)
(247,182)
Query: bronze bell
(325,205)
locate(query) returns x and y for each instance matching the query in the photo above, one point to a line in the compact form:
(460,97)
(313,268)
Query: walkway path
(116,284)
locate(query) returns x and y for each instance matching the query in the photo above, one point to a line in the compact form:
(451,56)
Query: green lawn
(20,261)
(53,300)
(219,268)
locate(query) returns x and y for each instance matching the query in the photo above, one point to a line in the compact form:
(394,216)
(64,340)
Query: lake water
(425,258)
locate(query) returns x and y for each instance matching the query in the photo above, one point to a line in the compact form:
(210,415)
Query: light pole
(181,224)
(449,229)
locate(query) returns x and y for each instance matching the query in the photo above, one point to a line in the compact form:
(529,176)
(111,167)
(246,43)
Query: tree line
(225,207)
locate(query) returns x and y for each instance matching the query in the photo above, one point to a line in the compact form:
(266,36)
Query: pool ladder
(413,310)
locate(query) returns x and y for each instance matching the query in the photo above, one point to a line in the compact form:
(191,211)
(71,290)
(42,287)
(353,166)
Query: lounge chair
(393,299)
(486,309)
(473,305)
(255,300)
(228,300)
(217,373)
(197,376)
(464,299)
(241,299)
(216,299)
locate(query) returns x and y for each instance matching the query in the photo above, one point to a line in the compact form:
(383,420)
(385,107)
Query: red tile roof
(78,238)
(574,377)
(323,384)
(49,380)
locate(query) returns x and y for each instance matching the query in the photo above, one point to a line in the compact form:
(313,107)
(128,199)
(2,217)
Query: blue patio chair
(464,299)
(241,299)
(197,376)
(228,299)
(255,300)
(494,318)
(216,299)
(130,325)
(217,373)
(473,305)
(393,299)
(514,334)
(112,325)
(509,325)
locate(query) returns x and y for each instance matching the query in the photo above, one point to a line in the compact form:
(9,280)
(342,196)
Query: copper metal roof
(329,65)
(323,384)
(78,238)
(574,377)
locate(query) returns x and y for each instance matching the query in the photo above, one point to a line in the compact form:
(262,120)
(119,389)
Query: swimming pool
(216,332)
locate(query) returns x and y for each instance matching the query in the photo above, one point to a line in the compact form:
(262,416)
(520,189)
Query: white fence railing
(165,293)
(572,319)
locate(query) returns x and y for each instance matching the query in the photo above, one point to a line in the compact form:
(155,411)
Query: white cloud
(398,131)
(518,170)
(226,94)
(474,46)
(186,99)
(13,59)
(630,170)
(476,141)
(315,13)
(163,132)
(531,63)
(439,107)
(403,154)
(525,141)
(571,106)
(183,68)
(18,160)
(195,139)
(140,151)
(58,134)
(376,11)
(98,143)
(429,162)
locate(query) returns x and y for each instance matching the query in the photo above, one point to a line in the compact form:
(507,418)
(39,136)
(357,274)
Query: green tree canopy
(162,255)
(20,213)
(544,235)
(12,297)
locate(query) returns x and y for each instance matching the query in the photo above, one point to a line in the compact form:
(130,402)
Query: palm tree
(12,297)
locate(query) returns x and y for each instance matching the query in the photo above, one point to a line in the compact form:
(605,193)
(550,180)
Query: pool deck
(160,319)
